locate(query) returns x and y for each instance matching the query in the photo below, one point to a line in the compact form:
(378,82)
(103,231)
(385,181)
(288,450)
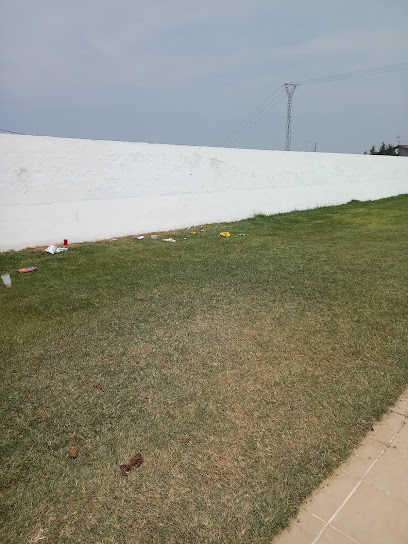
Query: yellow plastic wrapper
(226,234)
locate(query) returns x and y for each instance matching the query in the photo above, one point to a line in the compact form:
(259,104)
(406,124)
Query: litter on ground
(73,452)
(154,236)
(139,238)
(134,462)
(98,386)
(28,269)
(241,234)
(54,249)
(6,280)
(169,240)
(225,234)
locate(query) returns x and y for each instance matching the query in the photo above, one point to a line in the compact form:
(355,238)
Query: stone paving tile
(333,536)
(401,440)
(327,499)
(373,517)
(386,429)
(302,531)
(363,457)
(390,474)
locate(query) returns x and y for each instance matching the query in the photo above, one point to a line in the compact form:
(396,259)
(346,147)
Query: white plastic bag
(51,249)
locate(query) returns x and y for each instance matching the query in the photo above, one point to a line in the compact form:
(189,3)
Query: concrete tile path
(366,500)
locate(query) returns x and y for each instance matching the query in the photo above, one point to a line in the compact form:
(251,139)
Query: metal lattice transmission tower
(290,89)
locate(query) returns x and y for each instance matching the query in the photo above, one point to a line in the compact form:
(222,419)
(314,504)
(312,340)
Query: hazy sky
(188,72)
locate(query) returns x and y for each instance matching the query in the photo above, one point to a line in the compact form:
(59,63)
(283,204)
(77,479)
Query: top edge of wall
(70,138)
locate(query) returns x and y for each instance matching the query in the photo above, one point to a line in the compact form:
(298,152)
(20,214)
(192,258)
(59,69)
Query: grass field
(243,369)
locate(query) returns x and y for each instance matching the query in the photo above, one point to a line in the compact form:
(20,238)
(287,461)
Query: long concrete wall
(56,188)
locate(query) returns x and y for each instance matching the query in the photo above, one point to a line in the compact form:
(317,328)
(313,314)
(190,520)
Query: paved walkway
(366,500)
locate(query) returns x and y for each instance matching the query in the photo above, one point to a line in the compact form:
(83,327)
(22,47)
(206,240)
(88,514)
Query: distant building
(402,150)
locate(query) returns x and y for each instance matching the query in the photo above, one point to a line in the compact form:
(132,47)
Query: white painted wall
(56,188)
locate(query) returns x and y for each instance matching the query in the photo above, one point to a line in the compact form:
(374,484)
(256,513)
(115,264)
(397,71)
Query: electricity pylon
(290,89)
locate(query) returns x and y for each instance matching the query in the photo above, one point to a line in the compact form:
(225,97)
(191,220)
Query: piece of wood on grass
(134,462)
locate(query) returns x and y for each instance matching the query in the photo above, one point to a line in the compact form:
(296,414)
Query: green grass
(243,369)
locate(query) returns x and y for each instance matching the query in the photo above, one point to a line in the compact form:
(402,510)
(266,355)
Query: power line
(264,108)
(291,87)
(357,73)
(254,114)
(10,131)
(257,119)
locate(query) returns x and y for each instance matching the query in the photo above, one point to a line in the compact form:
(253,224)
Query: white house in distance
(402,150)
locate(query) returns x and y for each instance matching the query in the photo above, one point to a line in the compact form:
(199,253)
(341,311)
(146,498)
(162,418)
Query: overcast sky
(189,72)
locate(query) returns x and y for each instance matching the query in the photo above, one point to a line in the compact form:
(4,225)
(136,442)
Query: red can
(65,242)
